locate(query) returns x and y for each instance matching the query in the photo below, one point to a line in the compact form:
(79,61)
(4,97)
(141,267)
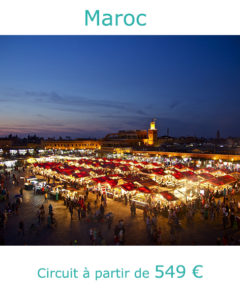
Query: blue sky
(88,86)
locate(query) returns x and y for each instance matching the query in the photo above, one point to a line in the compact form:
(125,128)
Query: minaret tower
(152,133)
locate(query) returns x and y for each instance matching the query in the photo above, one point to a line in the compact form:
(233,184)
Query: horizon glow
(89,86)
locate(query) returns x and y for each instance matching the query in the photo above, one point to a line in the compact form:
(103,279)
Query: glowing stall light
(31,151)
(13,152)
(31,160)
(181,193)
(10,163)
(22,152)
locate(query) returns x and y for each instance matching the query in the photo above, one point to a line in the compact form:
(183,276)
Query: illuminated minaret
(152,133)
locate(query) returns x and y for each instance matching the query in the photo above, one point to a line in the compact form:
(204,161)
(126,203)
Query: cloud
(45,113)
(71,103)
(42,116)
(175,104)
(77,103)
(141,112)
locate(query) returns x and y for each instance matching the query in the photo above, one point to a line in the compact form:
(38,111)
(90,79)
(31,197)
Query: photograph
(119,140)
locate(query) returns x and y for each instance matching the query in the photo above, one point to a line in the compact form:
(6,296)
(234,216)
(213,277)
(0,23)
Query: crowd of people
(91,208)
(10,205)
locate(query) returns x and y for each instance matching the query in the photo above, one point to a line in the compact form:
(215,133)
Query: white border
(66,17)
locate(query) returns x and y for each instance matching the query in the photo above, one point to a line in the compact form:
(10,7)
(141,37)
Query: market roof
(206,176)
(222,180)
(168,196)
(101,179)
(144,190)
(128,187)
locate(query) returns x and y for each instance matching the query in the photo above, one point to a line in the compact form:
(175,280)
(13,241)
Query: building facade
(132,138)
(5,143)
(152,135)
(122,139)
(71,144)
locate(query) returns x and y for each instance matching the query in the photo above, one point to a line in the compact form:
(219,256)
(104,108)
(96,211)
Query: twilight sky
(88,86)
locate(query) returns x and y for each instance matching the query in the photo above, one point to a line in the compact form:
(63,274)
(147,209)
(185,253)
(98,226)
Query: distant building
(5,143)
(71,144)
(125,138)
(131,138)
(152,134)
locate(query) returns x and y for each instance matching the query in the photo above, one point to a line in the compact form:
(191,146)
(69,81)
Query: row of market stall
(144,182)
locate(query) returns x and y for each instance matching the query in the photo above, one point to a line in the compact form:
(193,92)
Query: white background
(19,265)
(163,16)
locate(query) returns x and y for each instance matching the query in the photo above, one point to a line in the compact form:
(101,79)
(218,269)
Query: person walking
(21,228)
(148,224)
(71,211)
(121,237)
(91,235)
(50,208)
(134,208)
(125,200)
(89,208)
(225,220)
(102,209)
(145,212)
(159,236)
(232,219)
(109,221)
(79,213)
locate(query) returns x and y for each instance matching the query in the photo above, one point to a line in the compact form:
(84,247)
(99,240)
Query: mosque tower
(152,133)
